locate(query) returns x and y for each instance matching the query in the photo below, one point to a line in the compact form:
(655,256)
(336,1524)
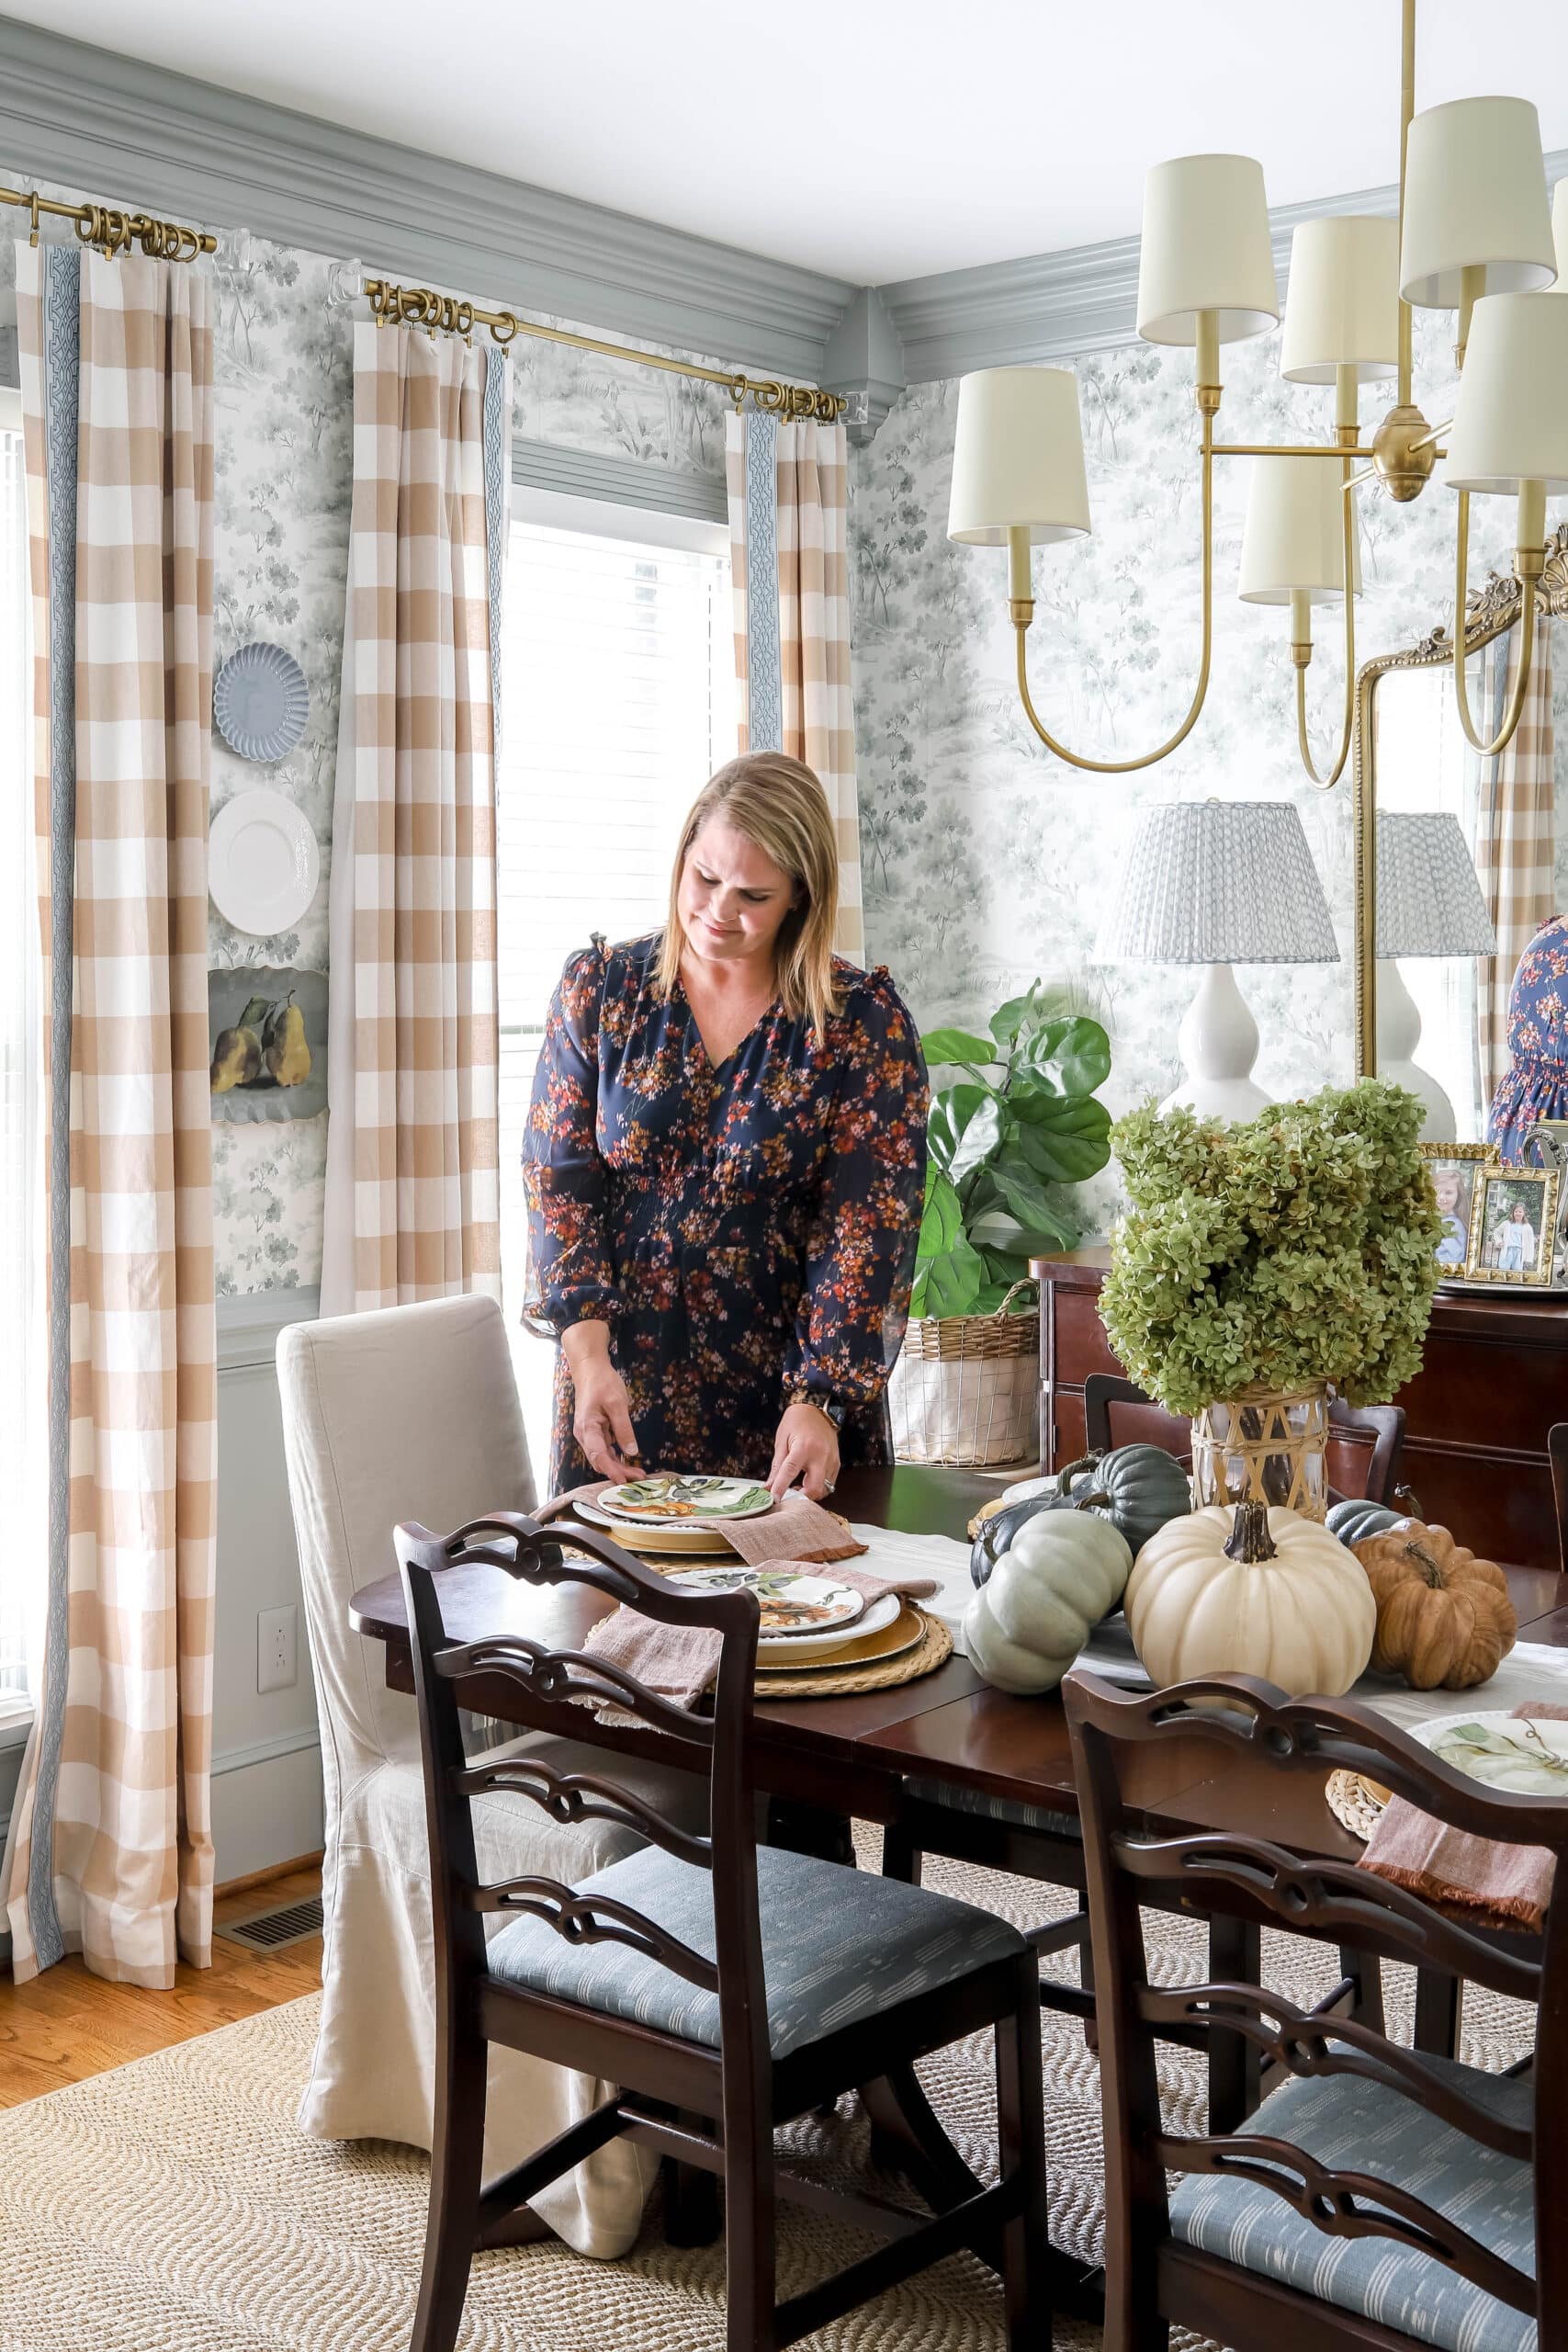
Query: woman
(725,1165)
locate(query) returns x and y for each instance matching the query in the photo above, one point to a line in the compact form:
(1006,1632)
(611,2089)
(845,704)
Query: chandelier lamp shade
(1476,235)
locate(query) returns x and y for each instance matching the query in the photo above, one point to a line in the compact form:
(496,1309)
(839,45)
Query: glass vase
(1264,1445)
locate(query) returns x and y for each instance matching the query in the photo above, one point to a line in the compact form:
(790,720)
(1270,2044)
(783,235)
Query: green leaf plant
(1023,1118)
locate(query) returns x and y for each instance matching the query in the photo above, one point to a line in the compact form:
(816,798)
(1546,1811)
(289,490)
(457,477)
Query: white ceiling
(877,140)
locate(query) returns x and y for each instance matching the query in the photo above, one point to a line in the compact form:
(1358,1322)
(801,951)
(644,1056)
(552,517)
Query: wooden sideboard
(1494,1379)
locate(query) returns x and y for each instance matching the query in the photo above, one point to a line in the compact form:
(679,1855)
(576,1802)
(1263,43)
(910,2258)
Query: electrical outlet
(278,1664)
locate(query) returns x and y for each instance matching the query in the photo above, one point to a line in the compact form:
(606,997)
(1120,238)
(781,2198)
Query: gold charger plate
(859,1649)
(933,1649)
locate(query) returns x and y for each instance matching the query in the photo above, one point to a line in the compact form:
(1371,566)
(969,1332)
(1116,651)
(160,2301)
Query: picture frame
(1513,1227)
(1456,1175)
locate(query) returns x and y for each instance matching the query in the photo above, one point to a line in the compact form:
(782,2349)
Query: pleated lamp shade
(1429,901)
(1293,536)
(1474,197)
(1511,416)
(1342,303)
(1205,247)
(1018,457)
(1219,882)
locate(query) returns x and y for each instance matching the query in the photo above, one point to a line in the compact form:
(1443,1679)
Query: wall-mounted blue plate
(261,702)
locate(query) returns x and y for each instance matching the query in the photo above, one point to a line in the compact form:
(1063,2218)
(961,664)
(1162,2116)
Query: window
(22,1411)
(618,702)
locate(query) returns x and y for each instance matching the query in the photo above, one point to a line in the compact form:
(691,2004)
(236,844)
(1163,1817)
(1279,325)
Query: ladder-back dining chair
(1557,1453)
(1380,2198)
(1365,1441)
(726,1988)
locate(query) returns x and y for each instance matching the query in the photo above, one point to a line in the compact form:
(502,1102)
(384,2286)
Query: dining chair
(725,1987)
(412,1412)
(1365,1441)
(1380,2198)
(1557,1452)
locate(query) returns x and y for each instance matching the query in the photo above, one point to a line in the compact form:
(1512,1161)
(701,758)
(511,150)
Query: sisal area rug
(171,2206)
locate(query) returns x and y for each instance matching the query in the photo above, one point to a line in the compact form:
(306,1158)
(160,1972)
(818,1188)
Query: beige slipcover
(412,1413)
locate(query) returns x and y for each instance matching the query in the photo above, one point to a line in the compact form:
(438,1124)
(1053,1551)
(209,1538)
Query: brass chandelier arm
(1024,613)
(1348,725)
(1514,710)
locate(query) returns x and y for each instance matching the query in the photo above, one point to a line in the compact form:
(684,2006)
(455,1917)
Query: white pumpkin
(1220,1593)
(1063,1572)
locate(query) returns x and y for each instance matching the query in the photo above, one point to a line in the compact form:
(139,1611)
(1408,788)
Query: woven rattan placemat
(1355,1802)
(880,1674)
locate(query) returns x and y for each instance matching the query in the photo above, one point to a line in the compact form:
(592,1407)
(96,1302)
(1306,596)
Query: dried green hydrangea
(1284,1250)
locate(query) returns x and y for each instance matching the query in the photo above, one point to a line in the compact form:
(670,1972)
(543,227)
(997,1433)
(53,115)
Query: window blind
(618,702)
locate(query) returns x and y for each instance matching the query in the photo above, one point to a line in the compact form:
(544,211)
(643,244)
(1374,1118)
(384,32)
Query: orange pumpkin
(1444,1617)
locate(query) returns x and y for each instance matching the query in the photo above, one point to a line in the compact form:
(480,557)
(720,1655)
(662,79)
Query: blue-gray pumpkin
(1139,1488)
(1355,1519)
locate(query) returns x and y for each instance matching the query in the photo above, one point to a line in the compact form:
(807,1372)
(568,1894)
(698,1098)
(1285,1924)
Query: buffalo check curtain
(111,1851)
(788,485)
(1515,846)
(413,1196)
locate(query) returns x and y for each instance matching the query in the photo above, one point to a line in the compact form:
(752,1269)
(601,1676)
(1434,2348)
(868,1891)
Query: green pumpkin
(1062,1573)
(1139,1488)
(1355,1519)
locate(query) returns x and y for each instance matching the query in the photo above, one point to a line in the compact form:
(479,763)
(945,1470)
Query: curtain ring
(511,324)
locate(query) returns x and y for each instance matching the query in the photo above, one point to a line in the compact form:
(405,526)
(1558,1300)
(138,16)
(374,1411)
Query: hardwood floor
(67,2025)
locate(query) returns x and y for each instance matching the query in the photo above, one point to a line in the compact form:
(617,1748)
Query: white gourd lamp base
(1399,1033)
(1218,1040)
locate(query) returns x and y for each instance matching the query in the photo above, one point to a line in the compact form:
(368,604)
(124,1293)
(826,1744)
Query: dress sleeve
(861,1247)
(571,1277)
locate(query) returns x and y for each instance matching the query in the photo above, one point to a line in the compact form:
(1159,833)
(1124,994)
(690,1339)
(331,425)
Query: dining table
(821,1761)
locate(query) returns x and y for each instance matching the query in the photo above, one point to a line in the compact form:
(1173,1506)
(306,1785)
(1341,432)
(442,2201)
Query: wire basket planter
(965,1389)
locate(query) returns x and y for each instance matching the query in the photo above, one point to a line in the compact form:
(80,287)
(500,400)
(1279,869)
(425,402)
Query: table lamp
(1429,903)
(1217,883)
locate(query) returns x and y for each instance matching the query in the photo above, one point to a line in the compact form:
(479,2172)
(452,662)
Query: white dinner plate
(797,1606)
(263,863)
(1527,1755)
(783,1652)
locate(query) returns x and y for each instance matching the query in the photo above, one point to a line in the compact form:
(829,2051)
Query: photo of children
(1515,1220)
(1453,1181)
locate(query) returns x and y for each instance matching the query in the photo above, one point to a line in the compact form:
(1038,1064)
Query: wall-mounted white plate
(261,702)
(263,863)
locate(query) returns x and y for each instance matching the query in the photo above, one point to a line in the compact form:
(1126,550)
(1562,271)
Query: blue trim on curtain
(764,682)
(61,398)
(497,394)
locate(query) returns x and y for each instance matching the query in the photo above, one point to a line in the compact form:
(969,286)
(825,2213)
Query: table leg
(1439,2001)
(1234,1958)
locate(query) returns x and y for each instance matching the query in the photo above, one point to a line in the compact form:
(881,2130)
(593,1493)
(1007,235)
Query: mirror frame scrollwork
(1493,608)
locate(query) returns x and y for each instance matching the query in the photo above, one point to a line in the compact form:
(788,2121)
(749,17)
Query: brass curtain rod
(418,305)
(113,230)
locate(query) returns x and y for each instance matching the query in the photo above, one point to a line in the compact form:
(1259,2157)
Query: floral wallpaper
(985,860)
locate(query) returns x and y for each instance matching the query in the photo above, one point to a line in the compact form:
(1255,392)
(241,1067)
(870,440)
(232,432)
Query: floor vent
(289,1923)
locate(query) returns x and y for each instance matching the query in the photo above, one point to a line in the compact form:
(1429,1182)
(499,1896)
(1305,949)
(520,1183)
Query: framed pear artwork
(268,1028)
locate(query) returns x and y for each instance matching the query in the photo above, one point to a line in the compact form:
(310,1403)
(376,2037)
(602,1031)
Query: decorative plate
(1525,1754)
(691,1539)
(261,702)
(263,863)
(888,1627)
(795,1608)
(669,1496)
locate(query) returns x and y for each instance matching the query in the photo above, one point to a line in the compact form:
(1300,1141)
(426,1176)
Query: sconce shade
(1205,247)
(1474,196)
(1293,535)
(1018,457)
(1560,230)
(1429,901)
(1342,302)
(1511,416)
(1219,882)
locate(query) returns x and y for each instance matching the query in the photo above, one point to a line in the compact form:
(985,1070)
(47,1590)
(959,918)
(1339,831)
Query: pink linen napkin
(795,1530)
(1477,1880)
(680,1662)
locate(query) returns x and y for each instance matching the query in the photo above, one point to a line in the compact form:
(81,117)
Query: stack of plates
(813,1621)
(676,1514)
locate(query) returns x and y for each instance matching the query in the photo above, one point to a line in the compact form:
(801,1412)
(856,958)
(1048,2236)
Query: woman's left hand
(805,1451)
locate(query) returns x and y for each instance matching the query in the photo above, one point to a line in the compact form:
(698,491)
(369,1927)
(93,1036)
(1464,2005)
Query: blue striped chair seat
(838,1945)
(993,1808)
(1358,2126)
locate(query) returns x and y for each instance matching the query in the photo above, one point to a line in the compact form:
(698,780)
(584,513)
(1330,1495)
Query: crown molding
(1054,306)
(115,128)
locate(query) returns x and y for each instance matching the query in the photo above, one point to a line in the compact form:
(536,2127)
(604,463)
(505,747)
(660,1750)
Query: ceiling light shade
(1219,882)
(1474,197)
(1511,416)
(1342,302)
(1560,230)
(1205,247)
(1429,901)
(1018,457)
(1294,538)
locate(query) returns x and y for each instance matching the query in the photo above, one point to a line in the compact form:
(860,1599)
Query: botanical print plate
(889,1627)
(671,1495)
(1527,1755)
(793,1607)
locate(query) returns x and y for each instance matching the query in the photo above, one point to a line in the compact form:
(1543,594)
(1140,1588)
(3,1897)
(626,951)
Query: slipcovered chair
(412,1414)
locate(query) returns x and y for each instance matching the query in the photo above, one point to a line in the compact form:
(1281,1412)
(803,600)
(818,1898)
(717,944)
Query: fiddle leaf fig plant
(1023,1117)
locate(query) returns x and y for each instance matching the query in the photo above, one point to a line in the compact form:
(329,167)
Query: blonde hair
(779,805)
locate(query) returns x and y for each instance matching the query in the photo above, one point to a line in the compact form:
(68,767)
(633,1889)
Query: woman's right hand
(602,1420)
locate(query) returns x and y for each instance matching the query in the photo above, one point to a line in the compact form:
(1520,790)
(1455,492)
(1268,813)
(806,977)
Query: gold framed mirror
(1411,766)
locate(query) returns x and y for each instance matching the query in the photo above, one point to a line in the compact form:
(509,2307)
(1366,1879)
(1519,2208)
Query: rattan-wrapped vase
(965,1390)
(1264,1445)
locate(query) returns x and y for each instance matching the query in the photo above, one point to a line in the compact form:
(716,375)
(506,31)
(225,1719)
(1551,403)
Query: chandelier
(1475,235)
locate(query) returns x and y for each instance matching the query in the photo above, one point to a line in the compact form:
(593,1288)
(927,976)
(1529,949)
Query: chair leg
(1233,1955)
(456,2163)
(752,2321)
(1021,2146)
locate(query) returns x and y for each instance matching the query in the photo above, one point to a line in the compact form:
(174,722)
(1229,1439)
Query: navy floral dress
(747,1231)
